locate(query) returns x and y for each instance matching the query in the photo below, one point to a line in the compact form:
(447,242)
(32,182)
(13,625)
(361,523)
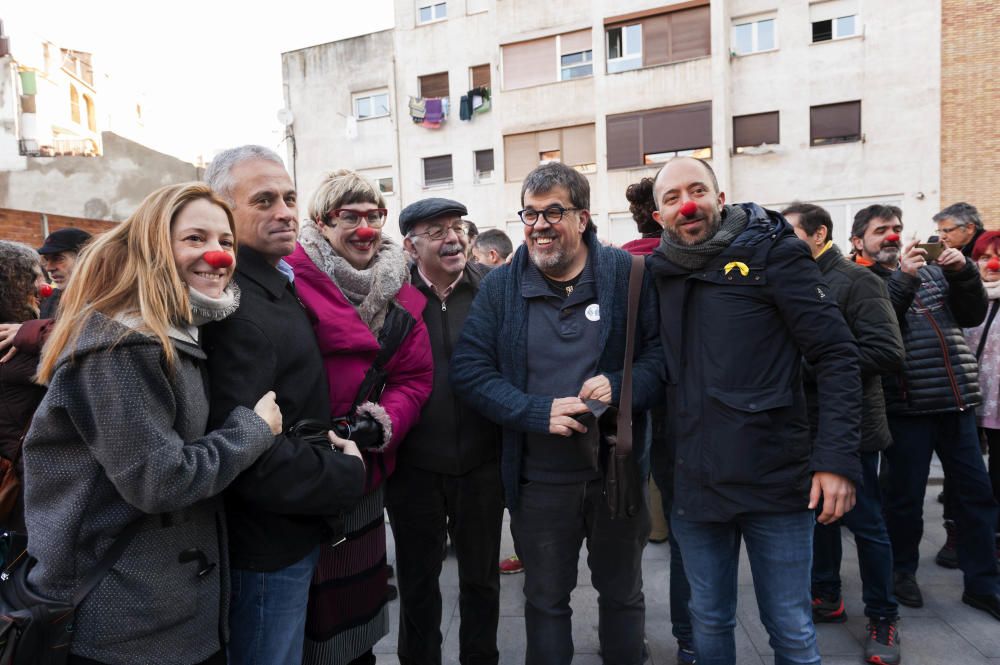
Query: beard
(887,255)
(551,262)
(712,226)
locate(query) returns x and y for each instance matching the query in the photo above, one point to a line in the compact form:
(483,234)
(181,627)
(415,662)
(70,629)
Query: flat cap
(428,209)
(64,240)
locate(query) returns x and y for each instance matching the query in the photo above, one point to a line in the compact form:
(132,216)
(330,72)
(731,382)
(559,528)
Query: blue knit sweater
(489,368)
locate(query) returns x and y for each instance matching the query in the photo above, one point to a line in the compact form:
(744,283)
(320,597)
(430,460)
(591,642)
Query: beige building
(835,102)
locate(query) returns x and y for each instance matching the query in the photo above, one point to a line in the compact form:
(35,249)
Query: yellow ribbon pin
(744,270)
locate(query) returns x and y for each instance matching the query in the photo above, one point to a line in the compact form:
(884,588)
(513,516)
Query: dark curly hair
(17,281)
(642,205)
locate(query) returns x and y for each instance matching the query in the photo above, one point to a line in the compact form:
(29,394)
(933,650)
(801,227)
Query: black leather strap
(624,444)
(109,559)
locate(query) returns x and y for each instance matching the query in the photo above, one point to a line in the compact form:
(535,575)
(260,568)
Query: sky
(208,72)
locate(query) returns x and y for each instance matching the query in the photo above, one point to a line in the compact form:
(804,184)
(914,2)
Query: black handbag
(622,485)
(36,630)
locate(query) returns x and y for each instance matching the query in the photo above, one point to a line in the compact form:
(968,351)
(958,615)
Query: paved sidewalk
(943,632)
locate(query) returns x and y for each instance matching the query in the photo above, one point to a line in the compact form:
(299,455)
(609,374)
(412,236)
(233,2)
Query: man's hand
(597,387)
(912,258)
(7,333)
(345,446)
(561,419)
(838,496)
(951,260)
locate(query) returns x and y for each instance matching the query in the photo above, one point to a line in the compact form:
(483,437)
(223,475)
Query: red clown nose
(219,259)
(45,290)
(365,233)
(689,209)
(892,237)
(993,265)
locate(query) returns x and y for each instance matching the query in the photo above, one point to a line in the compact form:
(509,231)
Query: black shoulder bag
(35,630)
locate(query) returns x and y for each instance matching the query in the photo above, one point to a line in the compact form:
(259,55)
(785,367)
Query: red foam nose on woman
(689,209)
(993,264)
(45,290)
(365,233)
(218,259)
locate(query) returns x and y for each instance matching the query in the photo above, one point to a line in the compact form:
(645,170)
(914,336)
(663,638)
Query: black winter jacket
(734,343)
(864,301)
(276,508)
(450,437)
(940,372)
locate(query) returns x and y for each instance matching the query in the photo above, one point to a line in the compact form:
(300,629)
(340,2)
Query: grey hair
(495,239)
(218,174)
(962,214)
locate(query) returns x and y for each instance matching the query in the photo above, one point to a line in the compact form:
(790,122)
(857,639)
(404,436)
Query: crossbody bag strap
(624,444)
(986,328)
(109,559)
(398,324)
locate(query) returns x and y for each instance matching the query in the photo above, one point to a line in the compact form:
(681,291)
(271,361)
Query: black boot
(947,556)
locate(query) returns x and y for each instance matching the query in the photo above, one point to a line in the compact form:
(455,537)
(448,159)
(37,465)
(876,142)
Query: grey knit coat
(118,438)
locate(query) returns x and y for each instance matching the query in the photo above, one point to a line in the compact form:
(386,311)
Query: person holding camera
(355,285)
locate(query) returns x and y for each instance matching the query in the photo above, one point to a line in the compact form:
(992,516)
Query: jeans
(955,439)
(424,507)
(662,469)
(549,524)
(779,546)
(874,548)
(267,619)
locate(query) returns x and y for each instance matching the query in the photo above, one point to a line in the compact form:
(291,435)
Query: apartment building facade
(836,102)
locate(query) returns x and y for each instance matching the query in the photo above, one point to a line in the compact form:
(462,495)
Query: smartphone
(933,250)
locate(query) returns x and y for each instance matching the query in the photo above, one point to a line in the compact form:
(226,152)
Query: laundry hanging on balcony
(475,101)
(429,112)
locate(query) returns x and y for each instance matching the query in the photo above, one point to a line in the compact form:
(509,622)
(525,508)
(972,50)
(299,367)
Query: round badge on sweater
(593,312)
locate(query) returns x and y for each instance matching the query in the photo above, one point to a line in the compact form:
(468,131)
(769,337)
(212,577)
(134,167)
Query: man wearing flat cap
(447,476)
(59,254)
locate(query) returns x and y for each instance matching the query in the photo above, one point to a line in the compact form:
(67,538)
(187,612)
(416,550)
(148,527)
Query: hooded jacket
(734,334)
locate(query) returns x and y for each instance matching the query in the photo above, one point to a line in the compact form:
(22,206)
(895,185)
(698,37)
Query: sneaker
(685,654)
(511,566)
(947,556)
(882,643)
(907,590)
(829,610)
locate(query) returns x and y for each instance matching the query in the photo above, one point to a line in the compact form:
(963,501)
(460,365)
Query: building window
(74,104)
(433,85)
(437,171)
(371,105)
(652,137)
(836,28)
(835,123)
(754,37)
(624,48)
(91,113)
(479,76)
(659,39)
(547,60)
(428,12)
(385,186)
(484,165)
(750,131)
(574,146)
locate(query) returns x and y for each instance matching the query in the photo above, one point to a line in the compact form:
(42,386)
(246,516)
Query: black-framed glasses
(440,231)
(552,214)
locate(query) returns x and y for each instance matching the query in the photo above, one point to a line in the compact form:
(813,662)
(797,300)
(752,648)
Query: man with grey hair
(278,510)
(542,352)
(959,226)
(491,248)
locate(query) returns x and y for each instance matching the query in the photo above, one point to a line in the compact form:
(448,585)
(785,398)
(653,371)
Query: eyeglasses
(350,218)
(552,214)
(438,232)
(947,230)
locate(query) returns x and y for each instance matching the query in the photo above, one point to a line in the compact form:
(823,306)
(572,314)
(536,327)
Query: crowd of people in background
(211,408)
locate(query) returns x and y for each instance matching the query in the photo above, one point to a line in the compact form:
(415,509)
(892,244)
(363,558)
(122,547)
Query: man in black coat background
(741,303)
(864,302)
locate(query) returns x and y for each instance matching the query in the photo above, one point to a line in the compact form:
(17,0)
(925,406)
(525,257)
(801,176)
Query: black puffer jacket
(940,372)
(864,302)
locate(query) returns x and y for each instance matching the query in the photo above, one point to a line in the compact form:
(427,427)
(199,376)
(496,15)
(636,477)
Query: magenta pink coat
(349,348)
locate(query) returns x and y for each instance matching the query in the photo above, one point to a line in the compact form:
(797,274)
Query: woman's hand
(345,446)
(268,410)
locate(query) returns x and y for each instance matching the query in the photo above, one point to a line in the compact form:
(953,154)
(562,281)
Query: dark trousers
(874,548)
(992,437)
(955,439)
(662,469)
(424,507)
(549,524)
(218,659)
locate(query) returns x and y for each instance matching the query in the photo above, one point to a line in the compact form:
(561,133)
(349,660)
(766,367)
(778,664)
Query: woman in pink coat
(355,285)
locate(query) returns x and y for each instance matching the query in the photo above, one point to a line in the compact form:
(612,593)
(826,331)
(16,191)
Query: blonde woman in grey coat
(120,438)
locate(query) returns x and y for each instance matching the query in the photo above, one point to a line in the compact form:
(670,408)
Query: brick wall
(24,226)
(970,103)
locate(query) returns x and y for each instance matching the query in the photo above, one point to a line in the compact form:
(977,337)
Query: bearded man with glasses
(544,344)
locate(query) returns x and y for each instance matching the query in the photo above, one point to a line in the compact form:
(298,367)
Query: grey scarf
(694,257)
(371,290)
(205,309)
